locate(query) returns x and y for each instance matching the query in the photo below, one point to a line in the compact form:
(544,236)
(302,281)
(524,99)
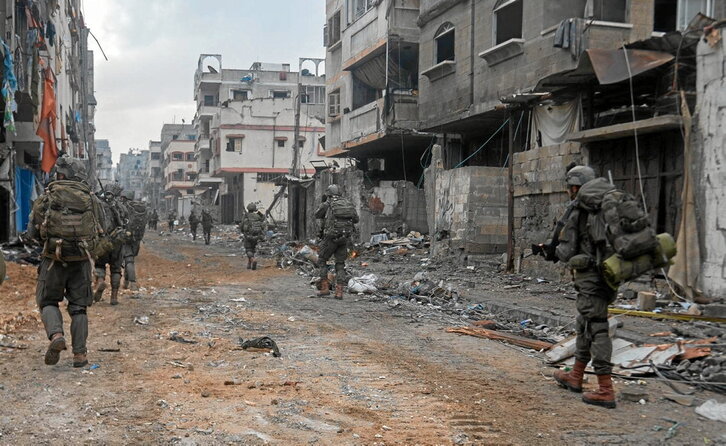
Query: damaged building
(372,113)
(246,123)
(508,94)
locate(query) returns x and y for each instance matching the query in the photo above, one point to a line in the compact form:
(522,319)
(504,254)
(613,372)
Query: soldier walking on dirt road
(583,250)
(337,217)
(66,219)
(171,218)
(207,221)
(253,227)
(193,224)
(137,214)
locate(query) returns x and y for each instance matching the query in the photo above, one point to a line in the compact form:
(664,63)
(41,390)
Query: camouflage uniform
(68,276)
(137,216)
(207,222)
(171,217)
(333,244)
(252,226)
(193,223)
(116,219)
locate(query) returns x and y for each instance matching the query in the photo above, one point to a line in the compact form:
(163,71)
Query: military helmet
(72,169)
(333,189)
(579,175)
(252,207)
(115,189)
(129,195)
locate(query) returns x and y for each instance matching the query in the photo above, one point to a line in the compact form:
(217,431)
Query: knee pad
(76,311)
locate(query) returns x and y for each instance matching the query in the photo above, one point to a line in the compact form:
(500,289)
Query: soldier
(136,211)
(171,218)
(584,248)
(66,220)
(253,227)
(207,221)
(116,221)
(193,224)
(153,219)
(337,217)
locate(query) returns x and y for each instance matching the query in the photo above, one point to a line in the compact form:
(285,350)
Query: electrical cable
(483,145)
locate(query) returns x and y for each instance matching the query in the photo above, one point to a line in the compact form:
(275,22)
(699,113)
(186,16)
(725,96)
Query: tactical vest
(339,219)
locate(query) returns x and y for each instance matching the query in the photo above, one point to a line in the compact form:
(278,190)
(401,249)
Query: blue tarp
(24,181)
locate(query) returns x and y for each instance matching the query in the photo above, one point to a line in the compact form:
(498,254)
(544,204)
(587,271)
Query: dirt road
(351,372)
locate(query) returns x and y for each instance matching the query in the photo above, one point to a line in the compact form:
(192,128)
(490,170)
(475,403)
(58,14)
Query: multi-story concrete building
(131,171)
(372,81)
(154,180)
(179,167)
(64,79)
(104,161)
(246,125)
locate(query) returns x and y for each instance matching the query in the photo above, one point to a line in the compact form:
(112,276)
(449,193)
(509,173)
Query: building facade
(246,124)
(50,103)
(178,167)
(154,179)
(131,171)
(104,161)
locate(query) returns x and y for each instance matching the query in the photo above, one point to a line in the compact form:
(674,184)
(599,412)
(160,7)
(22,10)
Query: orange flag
(46,129)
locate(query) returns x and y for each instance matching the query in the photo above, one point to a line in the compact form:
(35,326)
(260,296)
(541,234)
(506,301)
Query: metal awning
(607,67)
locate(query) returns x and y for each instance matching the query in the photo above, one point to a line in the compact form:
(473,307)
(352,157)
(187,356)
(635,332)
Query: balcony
(206,111)
(179,184)
(203,147)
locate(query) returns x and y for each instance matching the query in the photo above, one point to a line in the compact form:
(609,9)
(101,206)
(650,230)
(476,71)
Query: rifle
(548,250)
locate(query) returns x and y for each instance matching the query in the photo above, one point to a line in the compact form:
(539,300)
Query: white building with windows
(245,123)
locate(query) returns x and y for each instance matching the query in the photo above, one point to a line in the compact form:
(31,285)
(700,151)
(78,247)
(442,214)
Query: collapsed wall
(395,205)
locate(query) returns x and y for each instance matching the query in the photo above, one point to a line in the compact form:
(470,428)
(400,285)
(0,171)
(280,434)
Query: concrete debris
(363,284)
(713,410)
(683,400)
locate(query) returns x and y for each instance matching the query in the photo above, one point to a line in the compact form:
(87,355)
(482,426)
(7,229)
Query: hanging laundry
(552,123)
(10,86)
(50,33)
(46,129)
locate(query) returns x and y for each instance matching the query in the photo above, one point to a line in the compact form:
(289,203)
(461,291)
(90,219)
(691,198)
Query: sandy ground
(351,371)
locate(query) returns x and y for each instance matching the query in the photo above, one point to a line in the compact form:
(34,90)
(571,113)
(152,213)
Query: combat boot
(57,344)
(114,297)
(339,292)
(324,288)
(133,286)
(254,264)
(126,284)
(249,262)
(98,294)
(80,360)
(571,380)
(604,396)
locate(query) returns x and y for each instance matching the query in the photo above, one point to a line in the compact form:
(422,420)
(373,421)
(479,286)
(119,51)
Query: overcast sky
(153,47)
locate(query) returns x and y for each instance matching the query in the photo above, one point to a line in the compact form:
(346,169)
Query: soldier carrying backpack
(207,221)
(137,215)
(338,217)
(66,219)
(253,227)
(115,225)
(603,225)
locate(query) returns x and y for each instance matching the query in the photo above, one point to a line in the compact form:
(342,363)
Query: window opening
(445,43)
(208,100)
(508,21)
(334,103)
(239,95)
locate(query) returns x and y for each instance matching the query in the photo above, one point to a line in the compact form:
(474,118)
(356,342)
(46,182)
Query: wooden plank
(499,336)
(671,316)
(644,126)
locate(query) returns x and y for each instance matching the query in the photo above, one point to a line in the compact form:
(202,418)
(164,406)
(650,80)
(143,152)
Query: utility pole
(294,170)
(510,197)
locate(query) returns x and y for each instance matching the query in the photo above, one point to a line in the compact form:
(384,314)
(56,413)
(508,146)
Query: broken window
(675,15)
(240,95)
(279,94)
(507,20)
(363,93)
(445,43)
(177,156)
(267,177)
(334,103)
(209,100)
(609,11)
(191,176)
(332,30)
(313,94)
(155,155)
(357,8)
(234,144)
(177,175)
(190,156)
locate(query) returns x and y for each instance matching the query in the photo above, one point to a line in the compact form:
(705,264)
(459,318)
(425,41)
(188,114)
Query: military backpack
(137,219)
(339,220)
(70,226)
